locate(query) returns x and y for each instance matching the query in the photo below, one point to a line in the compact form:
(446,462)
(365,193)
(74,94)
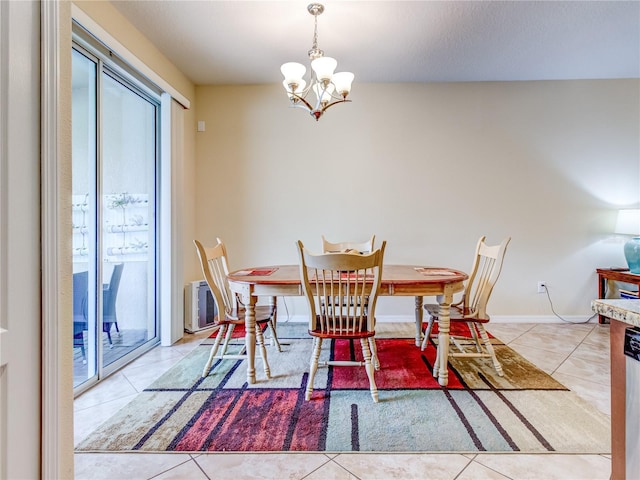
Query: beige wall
(429,168)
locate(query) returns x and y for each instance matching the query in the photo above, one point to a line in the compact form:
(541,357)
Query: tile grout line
(572,351)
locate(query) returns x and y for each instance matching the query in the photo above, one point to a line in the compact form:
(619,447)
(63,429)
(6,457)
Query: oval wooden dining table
(397,280)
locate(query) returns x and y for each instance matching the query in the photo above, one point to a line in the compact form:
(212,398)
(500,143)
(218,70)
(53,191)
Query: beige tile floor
(577,355)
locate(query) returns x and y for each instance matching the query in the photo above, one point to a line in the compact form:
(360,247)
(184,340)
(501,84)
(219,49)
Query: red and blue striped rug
(525,411)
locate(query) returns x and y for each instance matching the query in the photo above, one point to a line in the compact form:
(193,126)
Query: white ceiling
(245,42)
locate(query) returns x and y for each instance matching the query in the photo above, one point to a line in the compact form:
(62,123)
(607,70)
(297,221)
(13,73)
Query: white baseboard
(494,319)
(544,319)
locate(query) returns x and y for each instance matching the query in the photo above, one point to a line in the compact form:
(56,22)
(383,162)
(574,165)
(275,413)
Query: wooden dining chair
(342,282)
(472,308)
(354,248)
(215,268)
(348,247)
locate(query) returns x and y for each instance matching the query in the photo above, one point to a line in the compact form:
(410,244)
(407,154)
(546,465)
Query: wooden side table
(605,274)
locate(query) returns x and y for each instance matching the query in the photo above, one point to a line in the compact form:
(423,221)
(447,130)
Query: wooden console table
(605,274)
(622,313)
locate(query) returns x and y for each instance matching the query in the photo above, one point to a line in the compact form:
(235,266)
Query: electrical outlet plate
(542,286)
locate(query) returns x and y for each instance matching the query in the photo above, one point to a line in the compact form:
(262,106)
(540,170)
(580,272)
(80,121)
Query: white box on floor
(199,307)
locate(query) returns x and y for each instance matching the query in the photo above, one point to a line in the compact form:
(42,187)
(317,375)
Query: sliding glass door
(115,177)
(84,214)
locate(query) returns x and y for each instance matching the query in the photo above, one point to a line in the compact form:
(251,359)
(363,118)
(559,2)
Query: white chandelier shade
(324,68)
(293,73)
(330,88)
(342,81)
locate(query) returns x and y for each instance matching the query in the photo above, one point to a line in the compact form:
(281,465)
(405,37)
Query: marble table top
(626,310)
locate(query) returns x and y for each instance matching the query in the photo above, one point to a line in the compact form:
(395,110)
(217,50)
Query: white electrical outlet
(542,286)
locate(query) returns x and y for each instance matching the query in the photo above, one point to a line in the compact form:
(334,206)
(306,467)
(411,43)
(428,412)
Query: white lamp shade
(299,89)
(342,81)
(628,222)
(324,93)
(293,72)
(324,67)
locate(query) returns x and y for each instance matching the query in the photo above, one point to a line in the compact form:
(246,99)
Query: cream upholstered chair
(342,281)
(472,309)
(215,268)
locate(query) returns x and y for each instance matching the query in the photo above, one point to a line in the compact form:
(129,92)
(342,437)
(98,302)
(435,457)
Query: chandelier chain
(315,52)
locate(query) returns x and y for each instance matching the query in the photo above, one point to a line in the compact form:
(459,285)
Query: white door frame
(55,141)
(36,435)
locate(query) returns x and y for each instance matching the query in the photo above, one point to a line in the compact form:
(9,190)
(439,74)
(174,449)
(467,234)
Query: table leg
(250,337)
(418,321)
(443,337)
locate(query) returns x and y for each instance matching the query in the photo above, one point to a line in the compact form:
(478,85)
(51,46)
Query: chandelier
(329,88)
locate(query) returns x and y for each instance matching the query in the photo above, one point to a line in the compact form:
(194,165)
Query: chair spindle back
(213,261)
(338,287)
(338,247)
(484,274)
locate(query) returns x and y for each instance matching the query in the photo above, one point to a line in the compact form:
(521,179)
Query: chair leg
(374,353)
(82,350)
(106,328)
(368,365)
(313,366)
(214,350)
(427,332)
(274,334)
(263,351)
(489,347)
(78,341)
(436,363)
(227,339)
(273,323)
(474,334)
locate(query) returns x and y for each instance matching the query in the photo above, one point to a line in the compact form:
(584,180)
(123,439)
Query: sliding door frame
(110,66)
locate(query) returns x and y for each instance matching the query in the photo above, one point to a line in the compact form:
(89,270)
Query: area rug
(526,410)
